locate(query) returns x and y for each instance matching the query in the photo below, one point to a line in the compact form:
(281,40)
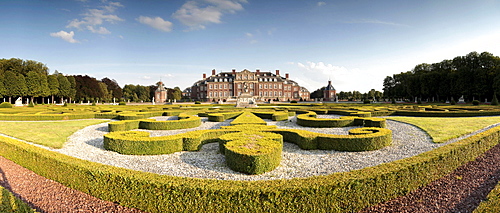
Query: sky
(355,44)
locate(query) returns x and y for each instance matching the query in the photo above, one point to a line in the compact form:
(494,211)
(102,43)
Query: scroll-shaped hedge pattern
(139,143)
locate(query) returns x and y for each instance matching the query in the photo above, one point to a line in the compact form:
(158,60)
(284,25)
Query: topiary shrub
(494,102)
(293,102)
(31,104)
(5,105)
(475,102)
(197,102)
(453,102)
(366,101)
(393,101)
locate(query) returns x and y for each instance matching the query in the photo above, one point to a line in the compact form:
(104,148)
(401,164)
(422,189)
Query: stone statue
(245,87)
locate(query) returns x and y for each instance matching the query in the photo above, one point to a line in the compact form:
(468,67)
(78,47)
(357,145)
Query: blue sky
(356,44)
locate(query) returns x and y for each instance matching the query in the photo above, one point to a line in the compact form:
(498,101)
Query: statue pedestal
(19,102)
(245,100)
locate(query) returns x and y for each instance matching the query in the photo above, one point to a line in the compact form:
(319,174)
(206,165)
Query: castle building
(329,94)
(160,93)
(263,86)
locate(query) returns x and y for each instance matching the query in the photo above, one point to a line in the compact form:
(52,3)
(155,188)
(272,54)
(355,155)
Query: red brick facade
(264,86)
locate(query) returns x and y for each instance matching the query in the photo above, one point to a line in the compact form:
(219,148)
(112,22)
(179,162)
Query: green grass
(47,133)
(443,129)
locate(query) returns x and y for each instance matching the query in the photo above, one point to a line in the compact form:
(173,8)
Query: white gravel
(408,141)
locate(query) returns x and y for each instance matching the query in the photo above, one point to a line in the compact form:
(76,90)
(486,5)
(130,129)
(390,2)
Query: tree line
(474,76)
(31,80)
(350,95)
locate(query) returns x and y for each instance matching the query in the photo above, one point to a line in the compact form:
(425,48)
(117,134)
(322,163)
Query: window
(239,86)
(280,93)
(265,86)
(210,94)
(210,86)
(225,86)
(230,86)
(275,86)
(225,94)
(251,86)
(260,86)
(260,93)
(245,77)
(275,93)
(220,94)
(251,93)
(265,93)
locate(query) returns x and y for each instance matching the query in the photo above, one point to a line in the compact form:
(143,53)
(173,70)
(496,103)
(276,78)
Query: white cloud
(156,22)
(249,35)
(321,3)
(146,77)
(93,18)
(100,30)
(65,36)
(375,21)
(197,14)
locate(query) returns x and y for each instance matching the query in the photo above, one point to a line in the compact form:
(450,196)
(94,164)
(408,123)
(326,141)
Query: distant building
(329,94)
(264,86)
(160,93)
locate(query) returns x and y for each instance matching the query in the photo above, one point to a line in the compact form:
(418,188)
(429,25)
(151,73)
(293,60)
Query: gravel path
(444,195)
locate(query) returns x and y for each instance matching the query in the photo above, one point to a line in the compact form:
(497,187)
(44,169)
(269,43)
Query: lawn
(47,133)
(443,129)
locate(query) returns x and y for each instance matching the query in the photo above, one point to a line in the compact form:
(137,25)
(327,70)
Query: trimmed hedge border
(338,192)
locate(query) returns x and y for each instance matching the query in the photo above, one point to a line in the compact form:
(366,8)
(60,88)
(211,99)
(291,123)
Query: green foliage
(293,102)
(492,202)
(366,101)
(122,103)
(197,102)
(5,105)
(31,104)
(252,152)
(475,102)
(494,102)
(10,203)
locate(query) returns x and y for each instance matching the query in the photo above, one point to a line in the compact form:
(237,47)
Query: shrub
(293,102)
(475,102)
(122,103)
(494,102)
(31,104)
(5,105)
(197,102)
(453,102)
(393,101)
(366,101)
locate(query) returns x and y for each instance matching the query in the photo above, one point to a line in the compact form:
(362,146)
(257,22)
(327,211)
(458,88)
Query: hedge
(247,118)
(184,122)
(310,120)
(252,152)
(220,117)
(492,202)
(337,192)
(10,203)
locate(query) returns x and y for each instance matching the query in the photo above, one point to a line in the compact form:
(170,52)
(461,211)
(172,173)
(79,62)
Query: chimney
(287,75)
(204,76)
(234,71)
(278,72)
(257,71)
(213,72)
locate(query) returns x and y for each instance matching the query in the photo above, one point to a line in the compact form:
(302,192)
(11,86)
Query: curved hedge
(10,203)
(184,122)
(337,192)
(252,152)
(309,120)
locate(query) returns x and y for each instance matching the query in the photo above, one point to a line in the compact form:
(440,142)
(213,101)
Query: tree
(317,93)
(174,94)
(9,80)
(64,87)
(72,92)
(33,83)
(107,96)
(53,86)
(113,87)
(2,87)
